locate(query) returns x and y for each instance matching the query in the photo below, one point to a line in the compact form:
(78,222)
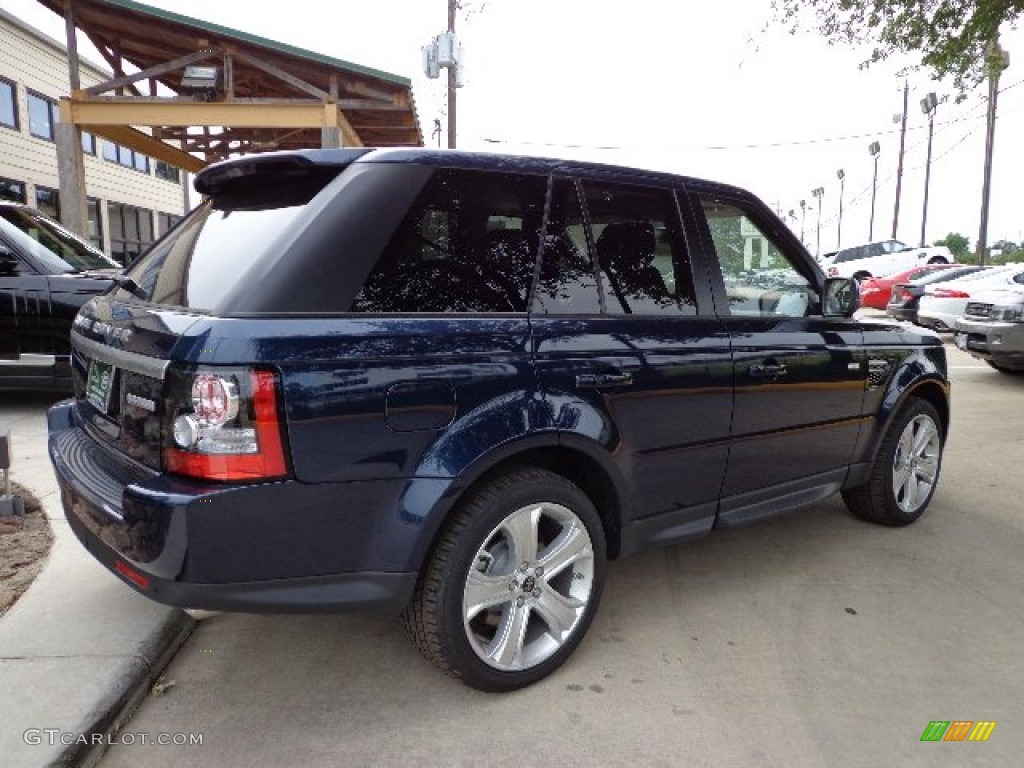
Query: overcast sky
(718,93)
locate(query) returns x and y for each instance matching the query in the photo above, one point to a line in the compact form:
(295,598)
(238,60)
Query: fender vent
(878,372)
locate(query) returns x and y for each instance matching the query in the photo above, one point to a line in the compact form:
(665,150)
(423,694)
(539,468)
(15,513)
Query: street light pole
(818,192)
(899,167)
(928,105)
(841,175)
(803,219)
(874,148)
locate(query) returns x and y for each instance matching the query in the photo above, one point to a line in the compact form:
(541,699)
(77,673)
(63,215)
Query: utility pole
(841,175)
(818,192)
(928,106)
(899,167)
(803,219)
(874,148)
(997,60)
(451,78)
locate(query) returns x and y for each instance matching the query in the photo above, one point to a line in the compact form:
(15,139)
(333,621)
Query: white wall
(36,63)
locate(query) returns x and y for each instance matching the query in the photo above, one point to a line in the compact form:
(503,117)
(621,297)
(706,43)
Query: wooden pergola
(264,95)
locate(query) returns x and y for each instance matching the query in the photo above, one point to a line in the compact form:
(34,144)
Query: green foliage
(1009,252)
(959,245)
(951,36)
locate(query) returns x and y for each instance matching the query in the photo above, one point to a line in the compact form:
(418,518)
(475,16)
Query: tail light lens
(224,425)
(949,293)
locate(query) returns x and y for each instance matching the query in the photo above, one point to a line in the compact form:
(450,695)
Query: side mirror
(841,297)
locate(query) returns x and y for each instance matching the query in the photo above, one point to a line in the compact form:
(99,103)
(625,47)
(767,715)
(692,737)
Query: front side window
(42,116)
(760,280)
(54,248)
(8,104)
(468,244)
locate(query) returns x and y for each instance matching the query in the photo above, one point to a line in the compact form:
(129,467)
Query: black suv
(454,385)
(46,274)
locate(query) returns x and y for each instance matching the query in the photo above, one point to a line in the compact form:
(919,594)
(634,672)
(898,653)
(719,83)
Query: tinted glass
(568,281)
(40,117)
(468,244)
(643,265)
(760,279)
(12,190)
(8,105)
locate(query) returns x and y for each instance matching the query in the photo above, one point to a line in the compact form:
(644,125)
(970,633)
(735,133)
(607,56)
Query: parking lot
(808,640)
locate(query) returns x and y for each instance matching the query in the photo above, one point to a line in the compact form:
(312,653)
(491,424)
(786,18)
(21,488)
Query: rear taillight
(949,293)
(224,425)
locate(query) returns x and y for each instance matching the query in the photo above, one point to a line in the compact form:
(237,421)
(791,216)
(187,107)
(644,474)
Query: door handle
(768,371)
(604,380)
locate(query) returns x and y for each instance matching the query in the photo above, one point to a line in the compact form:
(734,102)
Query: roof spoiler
(214,178)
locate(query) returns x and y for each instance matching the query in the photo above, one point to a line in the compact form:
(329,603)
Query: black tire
(937,260)
(878,500)
(1004,369)
(858,276)
(480,541)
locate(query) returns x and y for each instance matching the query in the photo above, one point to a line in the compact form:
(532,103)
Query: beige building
(132,198)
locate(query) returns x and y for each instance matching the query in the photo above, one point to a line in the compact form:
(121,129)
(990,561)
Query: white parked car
(884,257)
(944,303)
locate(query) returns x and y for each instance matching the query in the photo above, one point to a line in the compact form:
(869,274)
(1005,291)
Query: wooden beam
(69,29)
(152,72)
(147,145)
(279,74)
(361,89)
(371,105)
(101,45)
(240,114)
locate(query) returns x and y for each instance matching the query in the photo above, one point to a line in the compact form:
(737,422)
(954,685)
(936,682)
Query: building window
(8,104)
(168,172)
(12,190)
(131,231)
(115,153)
(164,222)
(88,143)
(48,201)
(95,222)
(42,116)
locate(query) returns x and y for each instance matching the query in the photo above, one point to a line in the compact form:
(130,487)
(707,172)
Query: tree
(959,245)
(953,37)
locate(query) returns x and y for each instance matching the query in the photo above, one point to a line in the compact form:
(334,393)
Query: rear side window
(636,242)
(468,244)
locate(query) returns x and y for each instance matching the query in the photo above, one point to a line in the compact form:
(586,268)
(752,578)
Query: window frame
(15,183)
(56,201)
(16,125)
(53,115)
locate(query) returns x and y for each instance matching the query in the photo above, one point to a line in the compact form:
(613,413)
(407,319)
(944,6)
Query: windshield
(55,248)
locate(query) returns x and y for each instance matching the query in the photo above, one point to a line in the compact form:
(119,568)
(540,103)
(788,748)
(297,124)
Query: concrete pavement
(79,650)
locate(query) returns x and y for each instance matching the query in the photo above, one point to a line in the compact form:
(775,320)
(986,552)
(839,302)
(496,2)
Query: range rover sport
(453,386)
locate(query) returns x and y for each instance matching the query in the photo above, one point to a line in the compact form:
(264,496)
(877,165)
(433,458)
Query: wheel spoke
(923,437)
(559,612)
(927,469)
(900,476)
(507,648)
(484,591)
(572,544)
(910,493)
(522,533)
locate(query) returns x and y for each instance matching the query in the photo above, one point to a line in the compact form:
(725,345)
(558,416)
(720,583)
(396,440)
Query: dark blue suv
(454,385)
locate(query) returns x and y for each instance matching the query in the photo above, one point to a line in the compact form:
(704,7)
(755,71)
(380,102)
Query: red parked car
(875,291)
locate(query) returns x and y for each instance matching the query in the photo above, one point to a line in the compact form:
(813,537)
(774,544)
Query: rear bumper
(271,547)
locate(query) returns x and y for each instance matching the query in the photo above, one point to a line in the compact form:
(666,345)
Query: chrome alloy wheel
(916,463)
(528,586)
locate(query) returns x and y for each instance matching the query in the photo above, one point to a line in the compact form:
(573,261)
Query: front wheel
(513,583)
(937,260)
(906,469)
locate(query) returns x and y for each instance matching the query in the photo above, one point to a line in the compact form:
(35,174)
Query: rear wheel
(906,469)
(937,260)
(513,584)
